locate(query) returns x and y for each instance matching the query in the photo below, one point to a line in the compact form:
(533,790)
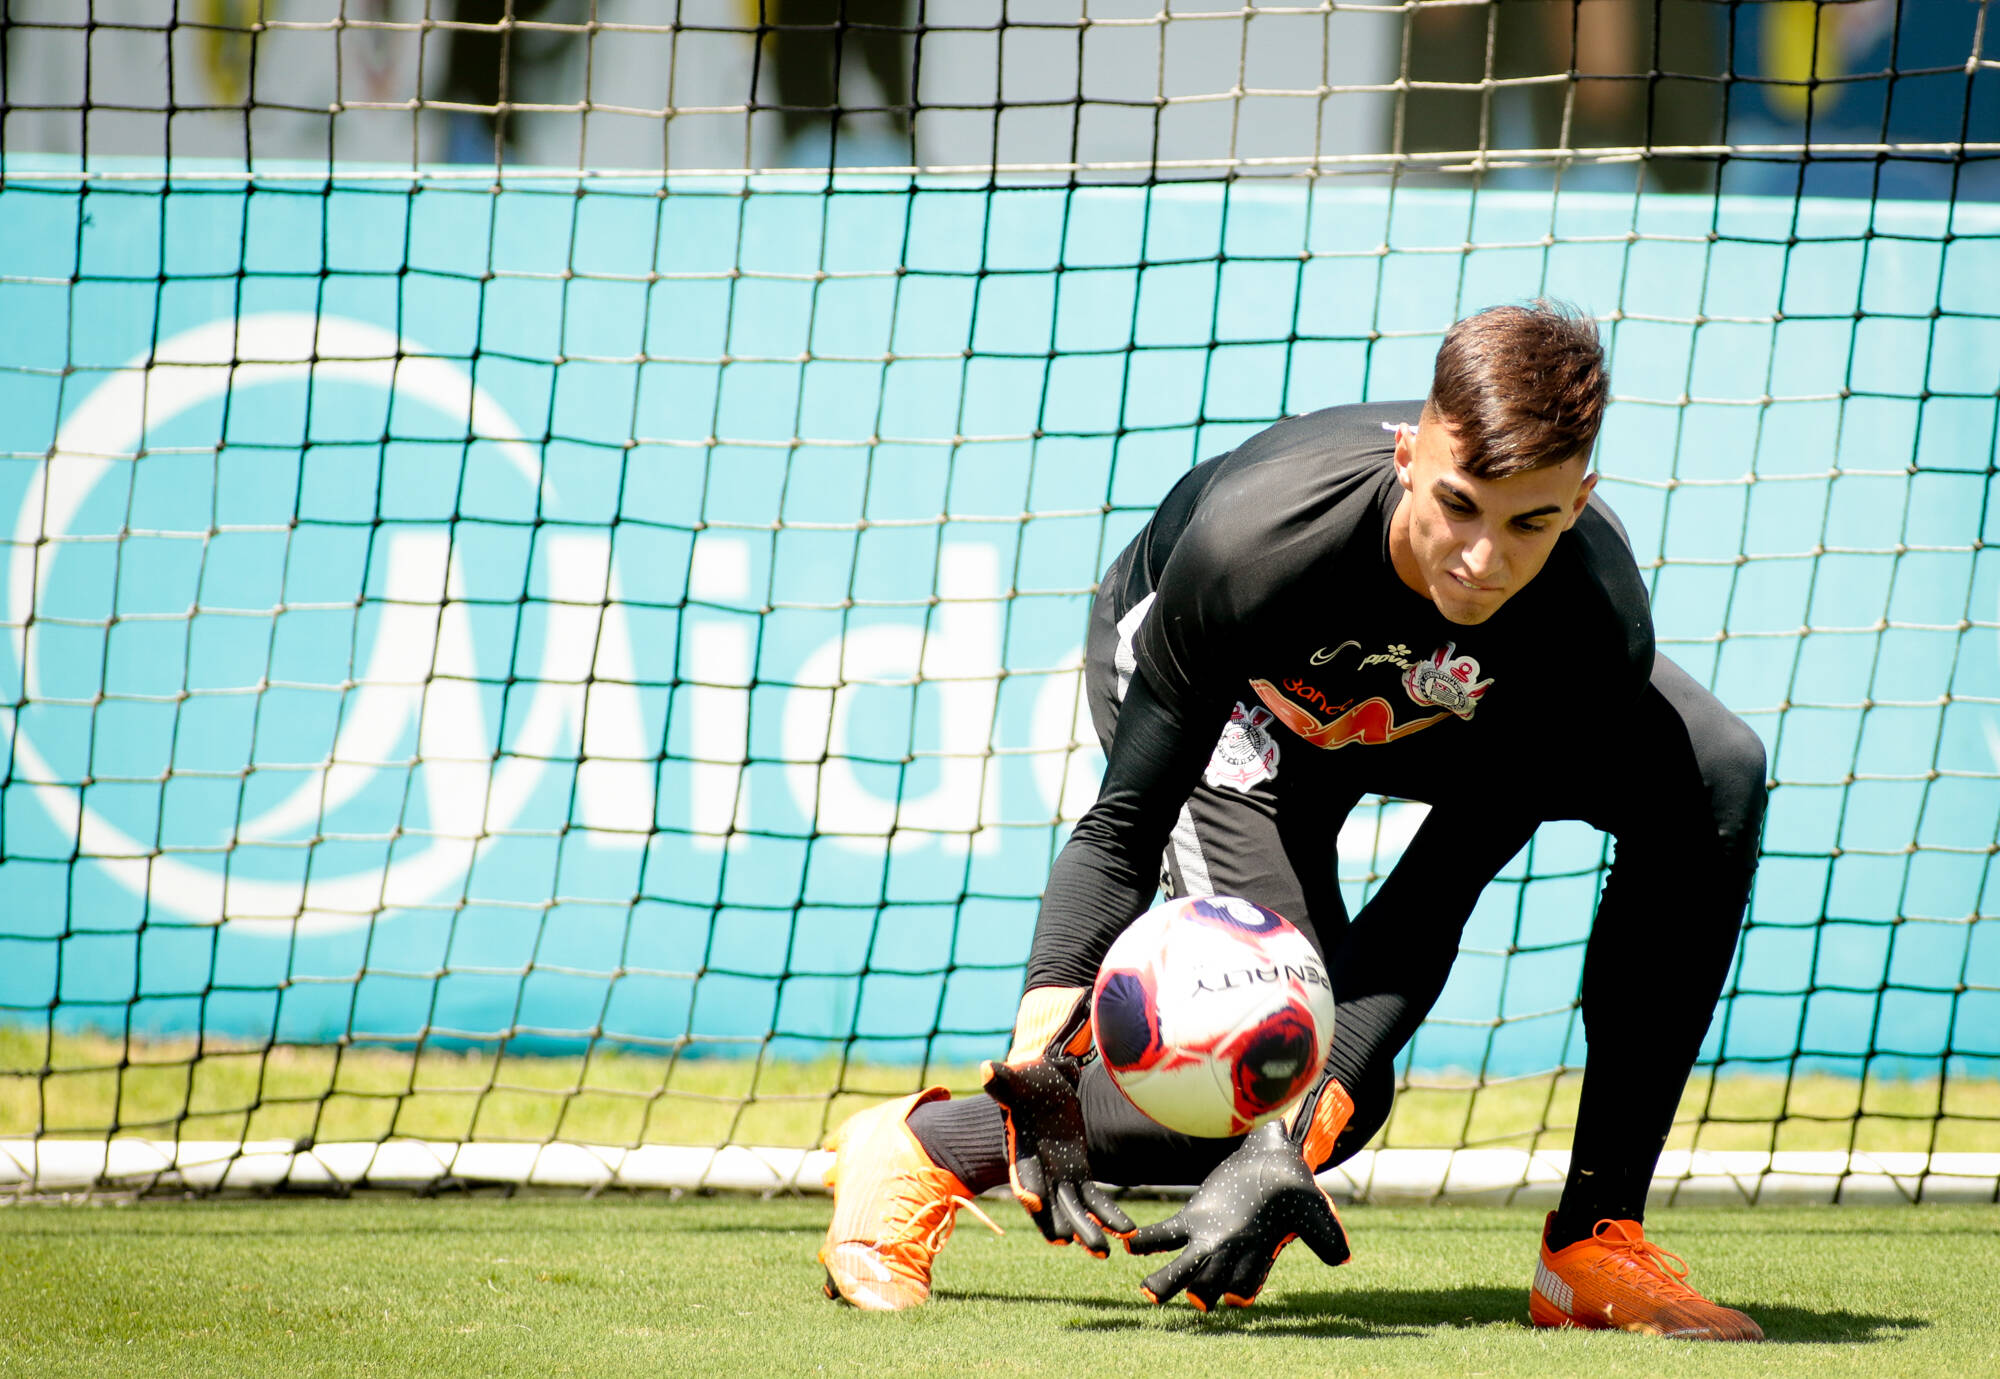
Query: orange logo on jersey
(1372,722)
(1445,680)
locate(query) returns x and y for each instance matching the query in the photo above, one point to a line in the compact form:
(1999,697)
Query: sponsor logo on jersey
(1245,754)
(1372,722)
(1444,680)
(1314,698)
(1397,655)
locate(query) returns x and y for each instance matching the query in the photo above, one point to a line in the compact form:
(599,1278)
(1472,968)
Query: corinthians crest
(1245,753)
(1447,681)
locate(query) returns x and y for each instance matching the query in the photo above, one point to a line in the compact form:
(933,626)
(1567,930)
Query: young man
(1421,602)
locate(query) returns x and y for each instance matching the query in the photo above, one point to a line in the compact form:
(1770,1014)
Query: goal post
(561,666)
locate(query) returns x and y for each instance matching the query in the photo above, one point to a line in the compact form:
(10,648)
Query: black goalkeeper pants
(1680,789)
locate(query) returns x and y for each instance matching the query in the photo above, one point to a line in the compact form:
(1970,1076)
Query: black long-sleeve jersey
(1278,625)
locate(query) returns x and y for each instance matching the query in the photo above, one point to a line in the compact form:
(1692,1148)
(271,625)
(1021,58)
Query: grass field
(87,1085)
(725,1285)
(728,1286)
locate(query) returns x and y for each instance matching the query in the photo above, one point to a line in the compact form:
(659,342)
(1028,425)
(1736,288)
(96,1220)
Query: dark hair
(1522,387)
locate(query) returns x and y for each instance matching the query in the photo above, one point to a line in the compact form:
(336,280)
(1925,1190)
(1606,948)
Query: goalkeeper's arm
(1109,870)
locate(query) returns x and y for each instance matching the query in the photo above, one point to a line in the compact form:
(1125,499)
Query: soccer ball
(1212,1014)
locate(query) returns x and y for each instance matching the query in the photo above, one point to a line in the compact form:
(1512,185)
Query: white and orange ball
(1212,1015)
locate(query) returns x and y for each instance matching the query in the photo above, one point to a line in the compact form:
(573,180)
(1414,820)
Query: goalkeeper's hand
(1048,1160)
(1256,1202)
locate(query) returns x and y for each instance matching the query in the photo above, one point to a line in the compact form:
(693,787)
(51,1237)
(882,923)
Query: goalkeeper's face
(1470,544)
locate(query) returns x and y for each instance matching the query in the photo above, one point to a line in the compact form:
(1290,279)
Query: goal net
(544,546)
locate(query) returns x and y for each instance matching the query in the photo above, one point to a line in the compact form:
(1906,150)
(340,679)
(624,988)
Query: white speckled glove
(1048,1160)
(1256,1202)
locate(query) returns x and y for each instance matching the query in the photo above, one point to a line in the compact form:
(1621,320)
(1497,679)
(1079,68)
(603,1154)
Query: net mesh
(546,544)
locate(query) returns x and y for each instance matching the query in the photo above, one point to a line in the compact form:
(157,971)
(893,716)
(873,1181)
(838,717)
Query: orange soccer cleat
(1618,1279)
(893,1209)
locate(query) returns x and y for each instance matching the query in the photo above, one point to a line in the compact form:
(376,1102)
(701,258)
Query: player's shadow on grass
(1367,1312)
(1837,1325)
(1390,1312)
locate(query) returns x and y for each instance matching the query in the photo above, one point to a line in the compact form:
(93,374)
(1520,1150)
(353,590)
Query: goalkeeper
(1423,601)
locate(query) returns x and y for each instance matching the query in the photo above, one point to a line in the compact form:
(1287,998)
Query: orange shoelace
(931,1216)
(1664,1270)
(973,1207)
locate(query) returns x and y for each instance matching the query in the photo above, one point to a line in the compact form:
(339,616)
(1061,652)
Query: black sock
(966,1137)
(1570,1226)
(1608,1178)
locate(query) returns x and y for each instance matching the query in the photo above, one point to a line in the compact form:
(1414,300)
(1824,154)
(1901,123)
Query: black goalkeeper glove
(1256,1202)
(1048,1162)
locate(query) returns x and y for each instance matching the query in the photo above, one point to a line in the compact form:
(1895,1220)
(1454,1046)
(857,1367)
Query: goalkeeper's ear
(1052,1020)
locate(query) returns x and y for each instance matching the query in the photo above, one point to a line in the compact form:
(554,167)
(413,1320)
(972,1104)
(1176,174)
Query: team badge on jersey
(1245,753)
(1446,681)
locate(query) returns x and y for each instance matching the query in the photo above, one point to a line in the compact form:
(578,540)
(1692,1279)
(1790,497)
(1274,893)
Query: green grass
(728,1286)
(84,1085)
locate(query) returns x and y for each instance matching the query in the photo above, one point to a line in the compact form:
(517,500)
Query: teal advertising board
(565,611)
